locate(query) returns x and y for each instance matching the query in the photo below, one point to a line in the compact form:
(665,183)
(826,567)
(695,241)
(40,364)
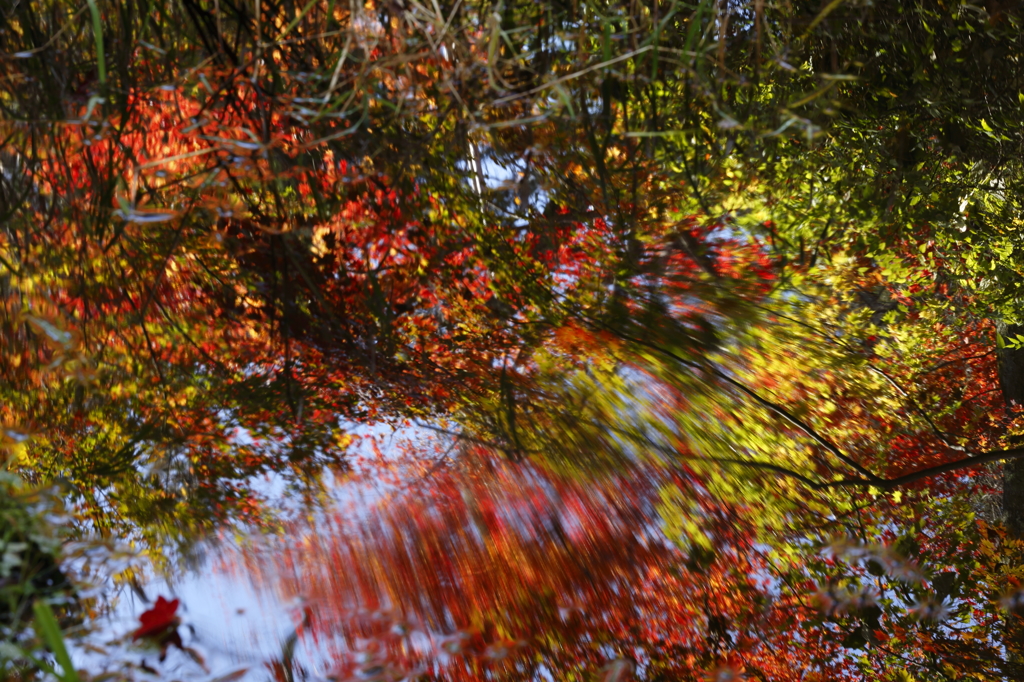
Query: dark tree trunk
(1011,380)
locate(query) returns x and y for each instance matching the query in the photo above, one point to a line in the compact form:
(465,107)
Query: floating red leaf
(157,620)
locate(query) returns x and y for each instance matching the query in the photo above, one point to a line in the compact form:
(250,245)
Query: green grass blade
(49,630)
(97,31)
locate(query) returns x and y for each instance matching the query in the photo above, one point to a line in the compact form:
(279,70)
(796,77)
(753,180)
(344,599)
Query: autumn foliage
(704,335)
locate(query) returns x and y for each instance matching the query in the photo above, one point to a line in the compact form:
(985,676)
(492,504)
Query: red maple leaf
(158,619)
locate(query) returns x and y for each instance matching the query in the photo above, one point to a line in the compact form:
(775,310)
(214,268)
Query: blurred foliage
(748,257)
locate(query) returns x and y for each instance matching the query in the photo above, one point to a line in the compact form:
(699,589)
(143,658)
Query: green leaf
(97,31)
(49,630)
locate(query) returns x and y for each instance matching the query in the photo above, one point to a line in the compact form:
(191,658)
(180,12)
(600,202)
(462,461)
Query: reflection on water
(487,570)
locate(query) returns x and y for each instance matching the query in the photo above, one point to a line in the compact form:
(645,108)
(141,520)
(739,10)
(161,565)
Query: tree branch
(774,408)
